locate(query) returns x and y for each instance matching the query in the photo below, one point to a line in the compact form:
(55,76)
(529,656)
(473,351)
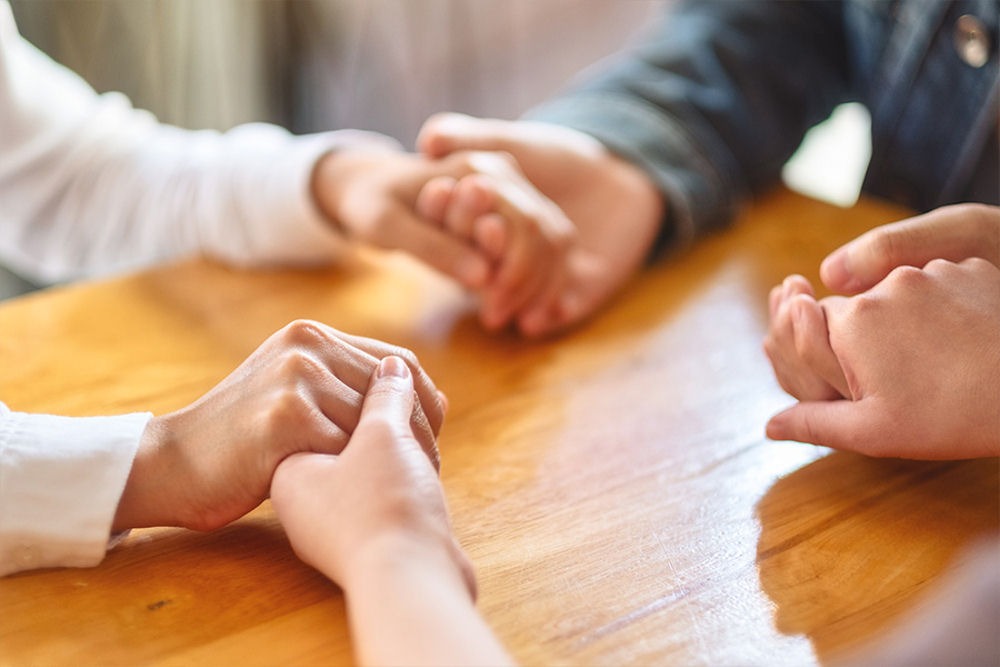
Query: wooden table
(613,487)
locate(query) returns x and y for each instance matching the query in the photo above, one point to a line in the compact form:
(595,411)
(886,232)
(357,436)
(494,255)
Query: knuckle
(939,267)
(406,354)
(298,364)
(304,332)
(797,283)
(856,308)
(506,159)
(497,162)
(288,406)
(978,264)
(906,277)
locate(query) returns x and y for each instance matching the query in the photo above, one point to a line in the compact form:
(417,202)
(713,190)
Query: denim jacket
(718,95)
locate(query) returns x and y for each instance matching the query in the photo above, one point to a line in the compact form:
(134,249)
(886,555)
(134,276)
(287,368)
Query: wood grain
(613,486)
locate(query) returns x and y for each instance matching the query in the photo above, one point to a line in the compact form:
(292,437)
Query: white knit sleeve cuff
(61,479)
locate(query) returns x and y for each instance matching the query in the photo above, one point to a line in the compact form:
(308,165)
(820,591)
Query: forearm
(412,607)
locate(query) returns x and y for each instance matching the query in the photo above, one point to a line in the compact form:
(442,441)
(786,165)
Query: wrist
(141,504)
(401,557)
(323,185)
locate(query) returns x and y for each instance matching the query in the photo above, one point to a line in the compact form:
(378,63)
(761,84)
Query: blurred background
(381,65)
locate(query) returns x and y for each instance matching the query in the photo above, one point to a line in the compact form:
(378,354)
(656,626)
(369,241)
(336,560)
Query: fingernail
(393,367)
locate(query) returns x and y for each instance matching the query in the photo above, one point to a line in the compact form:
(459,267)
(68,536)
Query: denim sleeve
(713,101)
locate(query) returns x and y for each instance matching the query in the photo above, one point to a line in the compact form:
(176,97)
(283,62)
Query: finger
(790,338)
(779,295)
(489,232)
(520,276)
(847,425)
(868,259)
(439,249)
(585,292)
(539,239)
(427,393)
(533,318)
(774,300)
(474,196)
(340,405)
(434,198)
(387,409)
(352,359)
(794,376)
(842,332)
(449,132)
(543,305)
(794,285)
(812,343)
(954,233)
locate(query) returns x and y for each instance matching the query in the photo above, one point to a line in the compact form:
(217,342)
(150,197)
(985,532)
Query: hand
(374,520)
(616,208)
(300,391)
(950,232)
(921,355)
(370,195)
(379,499)
(526,235)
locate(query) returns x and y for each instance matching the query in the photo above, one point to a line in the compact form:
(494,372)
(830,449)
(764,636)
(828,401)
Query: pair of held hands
(527,215)
(340,431)
(909,365)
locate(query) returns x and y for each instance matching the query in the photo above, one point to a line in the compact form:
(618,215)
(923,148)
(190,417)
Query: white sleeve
(89,185)
(60,482)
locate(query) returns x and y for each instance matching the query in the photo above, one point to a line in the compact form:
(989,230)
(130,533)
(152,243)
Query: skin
(950,232)
(370,195)
(391,551)
(526,236)
(386,198)
(616,208)
(301,390)
(908,367)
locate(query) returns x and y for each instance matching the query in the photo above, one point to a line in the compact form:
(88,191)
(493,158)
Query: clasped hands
(907,364)
(472,207)
(339,430)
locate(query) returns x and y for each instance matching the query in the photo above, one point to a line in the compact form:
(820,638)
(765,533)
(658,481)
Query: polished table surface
(613,486)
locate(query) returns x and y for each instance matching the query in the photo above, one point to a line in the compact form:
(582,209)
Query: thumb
(863,262)
(389,401)
(446,133)
(954,233)
(387,411)
(840,424)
